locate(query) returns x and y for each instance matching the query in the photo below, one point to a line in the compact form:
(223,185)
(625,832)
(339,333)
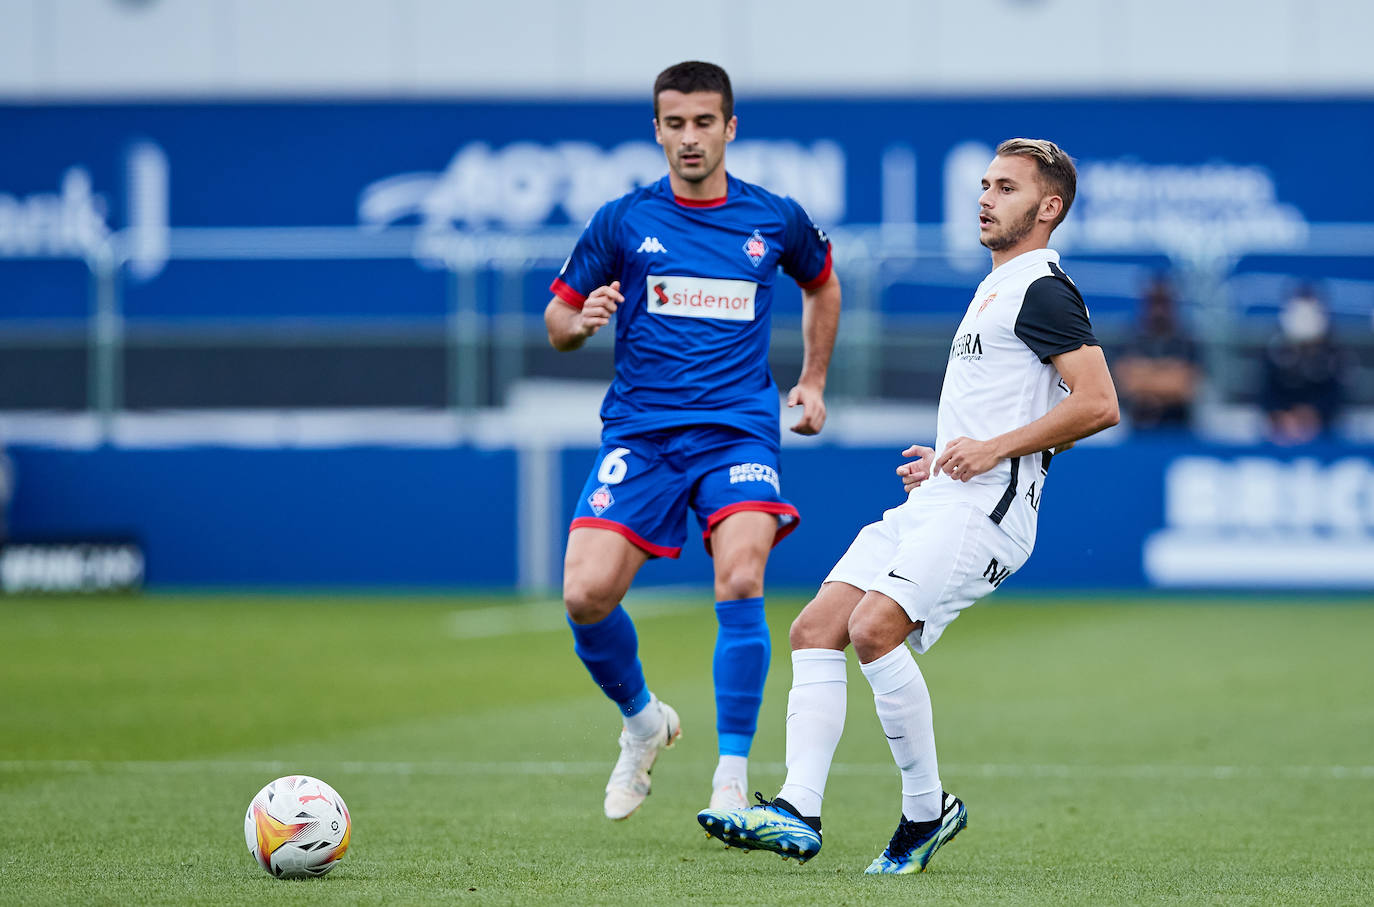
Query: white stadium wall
(53,49)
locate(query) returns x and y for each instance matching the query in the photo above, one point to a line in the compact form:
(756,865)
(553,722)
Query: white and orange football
(297,827)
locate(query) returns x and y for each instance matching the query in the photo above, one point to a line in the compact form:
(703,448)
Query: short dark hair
(694,75)
(1053,164)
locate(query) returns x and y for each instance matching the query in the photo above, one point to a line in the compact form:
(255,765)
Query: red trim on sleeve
(777,508)
(701,202)
(567,293)
(591,522)
(820,278)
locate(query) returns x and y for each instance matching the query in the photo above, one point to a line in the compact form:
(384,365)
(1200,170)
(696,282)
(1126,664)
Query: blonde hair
(1055,167)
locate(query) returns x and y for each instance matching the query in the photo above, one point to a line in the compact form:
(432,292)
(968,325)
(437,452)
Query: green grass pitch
(1170,749)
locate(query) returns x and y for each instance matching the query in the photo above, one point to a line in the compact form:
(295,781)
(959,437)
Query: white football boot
(729,795)
(629,783)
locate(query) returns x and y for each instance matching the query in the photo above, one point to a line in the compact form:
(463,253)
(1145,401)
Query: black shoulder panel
(1053,318)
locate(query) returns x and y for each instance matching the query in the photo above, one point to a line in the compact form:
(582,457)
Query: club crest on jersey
(756,247)
(986,302)
(601,500)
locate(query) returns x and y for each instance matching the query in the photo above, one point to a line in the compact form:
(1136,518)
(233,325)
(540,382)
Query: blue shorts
(641,486)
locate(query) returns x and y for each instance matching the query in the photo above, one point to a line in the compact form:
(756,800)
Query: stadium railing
(471,347)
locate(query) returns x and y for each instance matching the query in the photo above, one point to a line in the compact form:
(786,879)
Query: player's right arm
(1090,407)
(574,313)
(1053,323)
(570,326)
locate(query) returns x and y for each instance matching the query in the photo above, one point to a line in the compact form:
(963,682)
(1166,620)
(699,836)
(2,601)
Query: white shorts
(933,561)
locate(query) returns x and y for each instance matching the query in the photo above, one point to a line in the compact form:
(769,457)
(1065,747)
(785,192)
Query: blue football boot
(912,846)
(772,825)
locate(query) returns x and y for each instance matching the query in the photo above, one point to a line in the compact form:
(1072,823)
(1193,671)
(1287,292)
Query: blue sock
(610,650)
(740,668)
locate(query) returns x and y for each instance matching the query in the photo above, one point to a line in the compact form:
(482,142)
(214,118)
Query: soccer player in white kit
(1025,380)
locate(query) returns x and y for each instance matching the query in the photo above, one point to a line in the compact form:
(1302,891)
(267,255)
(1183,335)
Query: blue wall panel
(1161,512)
(216,516)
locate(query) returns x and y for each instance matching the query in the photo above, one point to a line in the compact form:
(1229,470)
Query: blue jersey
(691,337)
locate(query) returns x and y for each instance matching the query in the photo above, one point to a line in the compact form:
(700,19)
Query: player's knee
(865,641)
(874,634)
(872,637)
(587,601)
(801,633)
(741,581)
(814,629)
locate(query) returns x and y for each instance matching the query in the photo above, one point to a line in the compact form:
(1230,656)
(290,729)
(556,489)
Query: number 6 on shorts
(613,467)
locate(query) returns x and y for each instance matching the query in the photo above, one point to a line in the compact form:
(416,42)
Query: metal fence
(903,286)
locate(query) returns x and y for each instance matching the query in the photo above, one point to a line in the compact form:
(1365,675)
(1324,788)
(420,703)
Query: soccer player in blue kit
(686,267)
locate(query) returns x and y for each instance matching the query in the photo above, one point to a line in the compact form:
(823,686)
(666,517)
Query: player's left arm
(806,258)
(820,321)
(1090,407)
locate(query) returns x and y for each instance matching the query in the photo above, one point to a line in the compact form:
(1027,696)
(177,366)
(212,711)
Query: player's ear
(1050,206)
(658,136)
(730,126)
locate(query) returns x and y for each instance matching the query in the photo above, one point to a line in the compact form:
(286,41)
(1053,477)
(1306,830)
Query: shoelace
(773,804)
(903,840)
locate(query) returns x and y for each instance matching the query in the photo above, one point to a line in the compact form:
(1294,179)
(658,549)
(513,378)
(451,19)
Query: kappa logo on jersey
(601,500)
(701,297)
(651,244)
(986,302)
(756,247)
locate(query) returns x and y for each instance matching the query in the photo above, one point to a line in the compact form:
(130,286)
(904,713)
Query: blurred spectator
(1304,372)
(1157,374)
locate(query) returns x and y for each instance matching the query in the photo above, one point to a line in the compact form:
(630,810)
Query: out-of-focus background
(272,275)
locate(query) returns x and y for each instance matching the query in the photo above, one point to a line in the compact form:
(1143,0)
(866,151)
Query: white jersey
(999,378)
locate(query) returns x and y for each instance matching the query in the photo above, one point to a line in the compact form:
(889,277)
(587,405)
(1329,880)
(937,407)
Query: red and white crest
(756,247)
(601,499)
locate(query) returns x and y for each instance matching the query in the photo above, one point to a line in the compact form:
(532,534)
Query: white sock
(815,721)
(903,702)
(732,768)
(647,721)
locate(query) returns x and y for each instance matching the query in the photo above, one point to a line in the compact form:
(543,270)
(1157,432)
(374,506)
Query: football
(297,827)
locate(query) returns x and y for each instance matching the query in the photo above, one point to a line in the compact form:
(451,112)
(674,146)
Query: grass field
(1216,751)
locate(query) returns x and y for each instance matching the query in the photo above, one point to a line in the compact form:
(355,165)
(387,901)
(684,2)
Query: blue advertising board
(1163,513)
(1172,173)
(336,518)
